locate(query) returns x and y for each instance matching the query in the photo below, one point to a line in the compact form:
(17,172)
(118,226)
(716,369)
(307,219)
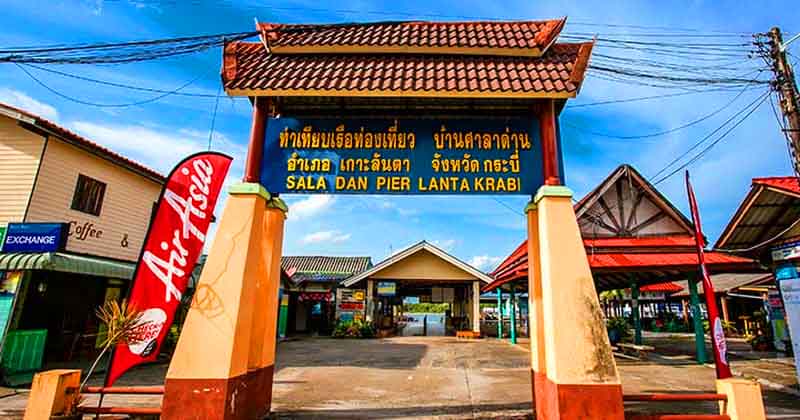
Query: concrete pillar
(224,361)
(476,306)
(499,313)
(513,304)
(744,399)
(49,393)
(697,316)
(574,372)
(637,321)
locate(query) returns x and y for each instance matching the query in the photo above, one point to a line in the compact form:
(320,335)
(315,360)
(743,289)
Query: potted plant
(123,325)
(759,342)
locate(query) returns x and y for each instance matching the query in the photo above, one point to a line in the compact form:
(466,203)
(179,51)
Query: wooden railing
(676,398)
(127,390)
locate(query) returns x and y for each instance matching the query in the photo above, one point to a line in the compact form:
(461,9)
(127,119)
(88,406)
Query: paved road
(432,377)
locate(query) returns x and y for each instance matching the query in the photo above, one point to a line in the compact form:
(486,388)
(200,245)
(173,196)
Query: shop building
(426,273)
(766,226)
(54,182)
(310,294)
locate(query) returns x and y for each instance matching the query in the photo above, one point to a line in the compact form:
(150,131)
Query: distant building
(53,180)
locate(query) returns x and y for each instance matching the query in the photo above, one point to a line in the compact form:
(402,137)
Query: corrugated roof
(771,206)
(724,283)
(661,260)
(786,183)
(513,37)
(341,266)
(80,141)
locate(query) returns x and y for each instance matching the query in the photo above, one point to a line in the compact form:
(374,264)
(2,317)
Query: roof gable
(626,205)
(420,249)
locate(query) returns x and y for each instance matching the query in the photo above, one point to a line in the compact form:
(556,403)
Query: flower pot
(614,336)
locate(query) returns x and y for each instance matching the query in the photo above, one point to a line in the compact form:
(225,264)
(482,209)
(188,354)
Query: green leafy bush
(354,329)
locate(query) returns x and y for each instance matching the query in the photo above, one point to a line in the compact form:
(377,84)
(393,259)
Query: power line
(119,85)
(702,153)
(99,105)
(664,132)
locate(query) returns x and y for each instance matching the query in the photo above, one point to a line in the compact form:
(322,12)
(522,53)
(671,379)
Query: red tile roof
(668,287)
(485,38)
(84,143)
(786,183)
(391,61)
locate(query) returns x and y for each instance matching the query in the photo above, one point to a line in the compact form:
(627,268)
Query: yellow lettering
(290,182)
(464,185)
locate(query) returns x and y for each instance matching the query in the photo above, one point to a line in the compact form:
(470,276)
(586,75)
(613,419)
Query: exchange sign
(402,156)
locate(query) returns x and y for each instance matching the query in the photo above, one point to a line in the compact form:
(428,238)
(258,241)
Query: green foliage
(354,329)
(620,324)
(426,308)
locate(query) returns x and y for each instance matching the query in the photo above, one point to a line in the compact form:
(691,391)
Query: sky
(481,230)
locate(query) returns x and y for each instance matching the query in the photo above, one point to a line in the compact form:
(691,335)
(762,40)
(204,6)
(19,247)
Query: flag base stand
(224,361)
(573,370)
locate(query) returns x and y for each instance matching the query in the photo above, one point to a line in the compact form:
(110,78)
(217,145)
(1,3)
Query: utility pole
(787,91)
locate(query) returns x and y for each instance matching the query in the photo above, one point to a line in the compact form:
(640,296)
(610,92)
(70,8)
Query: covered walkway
(633,237)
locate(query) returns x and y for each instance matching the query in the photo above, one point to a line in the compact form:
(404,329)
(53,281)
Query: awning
(67,263)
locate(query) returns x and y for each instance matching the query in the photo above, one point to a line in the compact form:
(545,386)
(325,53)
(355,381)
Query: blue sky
(476,229)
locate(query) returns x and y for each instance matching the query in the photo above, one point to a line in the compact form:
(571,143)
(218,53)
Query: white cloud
(445,244)
(157,148)
(26,103)
(330,236)
(310,206)
(485,262)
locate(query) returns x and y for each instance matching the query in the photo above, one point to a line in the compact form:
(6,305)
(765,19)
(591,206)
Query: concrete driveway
(430,377)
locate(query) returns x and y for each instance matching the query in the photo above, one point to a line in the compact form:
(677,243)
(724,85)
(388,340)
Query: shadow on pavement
(480,411)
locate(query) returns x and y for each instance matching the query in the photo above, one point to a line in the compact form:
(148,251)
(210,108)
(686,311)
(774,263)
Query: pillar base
(576,401)
(247,396)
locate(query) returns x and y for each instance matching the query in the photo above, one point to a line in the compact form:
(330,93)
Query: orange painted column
(224,361)
(575,376)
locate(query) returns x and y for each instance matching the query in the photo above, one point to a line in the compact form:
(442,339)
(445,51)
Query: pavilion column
(499,313)
(476,306)
(574,372)
(513,304)
(724,303)
(637,321)
(697,316)
(370,309)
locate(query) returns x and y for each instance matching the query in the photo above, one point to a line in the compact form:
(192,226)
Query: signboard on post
(35,237)
(402,156)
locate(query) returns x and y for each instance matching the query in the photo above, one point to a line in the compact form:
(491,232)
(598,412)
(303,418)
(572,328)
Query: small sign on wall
(35,237)
(387,288)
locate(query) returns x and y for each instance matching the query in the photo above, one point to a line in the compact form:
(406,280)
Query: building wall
(20,152)
(126,208)
(423,266)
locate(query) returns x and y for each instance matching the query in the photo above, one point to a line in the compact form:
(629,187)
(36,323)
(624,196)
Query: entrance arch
(424,108)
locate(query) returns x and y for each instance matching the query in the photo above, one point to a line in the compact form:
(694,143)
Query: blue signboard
(35,237)
(402,156)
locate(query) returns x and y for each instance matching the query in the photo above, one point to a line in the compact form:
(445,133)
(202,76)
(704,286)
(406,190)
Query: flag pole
(715,328)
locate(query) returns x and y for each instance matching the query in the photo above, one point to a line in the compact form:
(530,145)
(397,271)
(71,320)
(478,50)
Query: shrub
(354,329)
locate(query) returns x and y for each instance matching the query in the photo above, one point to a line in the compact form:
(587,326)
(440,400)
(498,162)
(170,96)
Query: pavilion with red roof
(634,238)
